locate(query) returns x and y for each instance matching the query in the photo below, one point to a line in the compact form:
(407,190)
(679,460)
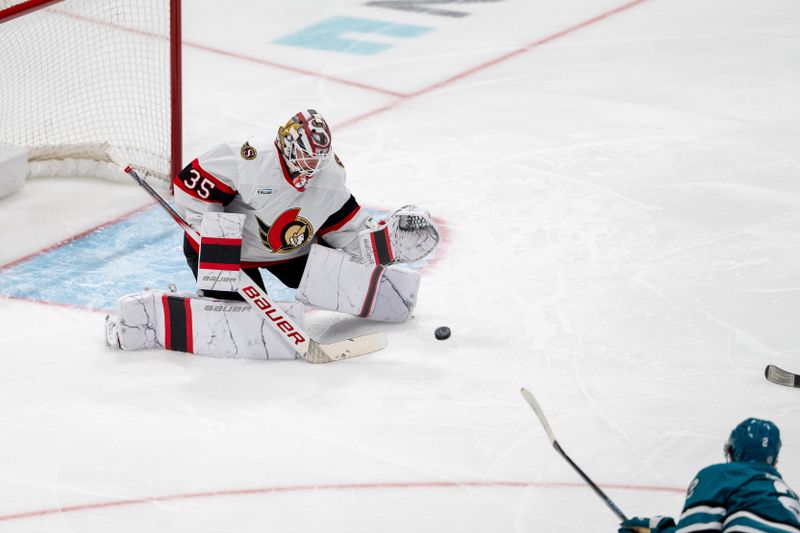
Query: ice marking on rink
(330,35)
(332,487)
(95,269)
(492,62)
(418,7)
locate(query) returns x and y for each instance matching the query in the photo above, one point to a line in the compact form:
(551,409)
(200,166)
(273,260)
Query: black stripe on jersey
(226,254)
(177,336)
(198,183)
(340,217)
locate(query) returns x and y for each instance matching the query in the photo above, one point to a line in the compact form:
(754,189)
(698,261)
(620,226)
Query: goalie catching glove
(408,235)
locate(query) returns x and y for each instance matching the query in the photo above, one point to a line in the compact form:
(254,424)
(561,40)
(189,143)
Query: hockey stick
(540,414)
(781,376)
(290,332)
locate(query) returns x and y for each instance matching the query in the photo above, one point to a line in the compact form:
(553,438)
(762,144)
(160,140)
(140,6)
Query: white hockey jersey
(284,214)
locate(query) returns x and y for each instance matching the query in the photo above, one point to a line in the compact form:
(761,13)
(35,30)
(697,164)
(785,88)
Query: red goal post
(81,77)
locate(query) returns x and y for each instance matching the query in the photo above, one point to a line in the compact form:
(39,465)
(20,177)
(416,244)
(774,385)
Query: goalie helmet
(754,441)
(305,144)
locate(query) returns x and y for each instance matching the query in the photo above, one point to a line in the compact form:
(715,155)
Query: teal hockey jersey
(739,496)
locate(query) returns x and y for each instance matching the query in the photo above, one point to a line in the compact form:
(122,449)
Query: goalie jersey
(284,213)
(739,496)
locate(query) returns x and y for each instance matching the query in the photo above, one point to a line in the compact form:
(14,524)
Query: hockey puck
(442,333)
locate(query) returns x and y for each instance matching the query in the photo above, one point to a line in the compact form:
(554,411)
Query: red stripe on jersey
(219,266)
(340,224)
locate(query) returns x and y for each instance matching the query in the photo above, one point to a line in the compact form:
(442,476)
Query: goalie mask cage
(81,77)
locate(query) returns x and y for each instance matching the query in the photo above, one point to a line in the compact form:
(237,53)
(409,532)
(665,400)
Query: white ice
(621,191)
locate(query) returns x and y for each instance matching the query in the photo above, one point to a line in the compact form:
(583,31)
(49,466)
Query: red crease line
(331,487)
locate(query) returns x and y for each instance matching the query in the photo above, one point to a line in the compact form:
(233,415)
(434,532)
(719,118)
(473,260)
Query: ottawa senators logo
(288,233)
(248,152)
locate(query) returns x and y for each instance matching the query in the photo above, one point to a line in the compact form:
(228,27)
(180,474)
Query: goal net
(79,78)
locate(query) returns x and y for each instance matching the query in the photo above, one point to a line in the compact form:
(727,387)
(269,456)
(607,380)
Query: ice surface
(622,206)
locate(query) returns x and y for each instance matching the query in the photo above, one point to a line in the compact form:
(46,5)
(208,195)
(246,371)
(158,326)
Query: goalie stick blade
(781,376)
(346,349)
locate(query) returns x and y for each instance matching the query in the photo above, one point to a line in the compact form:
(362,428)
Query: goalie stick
(781,376)
(309,349)
(540,414)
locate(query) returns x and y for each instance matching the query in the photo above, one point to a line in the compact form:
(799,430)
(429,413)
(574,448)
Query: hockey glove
(408,235)
(655,524)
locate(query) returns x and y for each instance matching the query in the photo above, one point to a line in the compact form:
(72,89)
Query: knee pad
(338,281)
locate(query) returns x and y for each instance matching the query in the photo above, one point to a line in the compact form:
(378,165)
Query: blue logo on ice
(330,35)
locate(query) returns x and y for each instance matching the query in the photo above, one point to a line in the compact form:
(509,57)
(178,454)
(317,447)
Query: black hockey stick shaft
(611,505)
(597,490)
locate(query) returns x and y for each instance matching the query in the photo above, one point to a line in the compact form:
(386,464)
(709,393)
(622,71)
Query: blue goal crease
(94,271)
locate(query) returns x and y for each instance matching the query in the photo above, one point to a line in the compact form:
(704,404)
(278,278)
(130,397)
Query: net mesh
(89,72)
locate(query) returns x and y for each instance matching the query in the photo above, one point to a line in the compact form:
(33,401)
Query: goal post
(80,77)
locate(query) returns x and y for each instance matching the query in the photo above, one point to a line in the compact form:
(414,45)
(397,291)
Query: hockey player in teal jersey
(746,494)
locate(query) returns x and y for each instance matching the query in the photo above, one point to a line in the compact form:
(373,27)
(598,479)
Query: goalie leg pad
(338,281)
(203,326)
